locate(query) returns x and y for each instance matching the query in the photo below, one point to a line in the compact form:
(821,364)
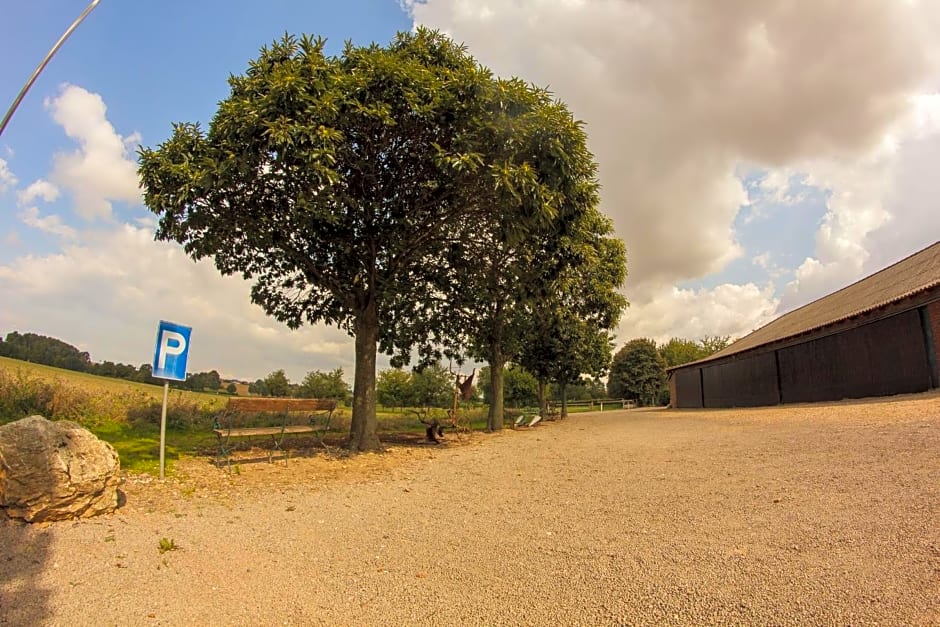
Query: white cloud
(762,260)
(37,189)
(7,178)
(728,309)
(914,220)
(881,206)
(50,224)
(778,186)
(109,289)
(106,288)
(678,94)
(101,170)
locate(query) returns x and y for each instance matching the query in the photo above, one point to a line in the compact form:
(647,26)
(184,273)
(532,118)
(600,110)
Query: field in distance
(106,385)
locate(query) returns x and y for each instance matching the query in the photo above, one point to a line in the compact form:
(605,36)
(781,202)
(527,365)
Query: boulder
(56,471)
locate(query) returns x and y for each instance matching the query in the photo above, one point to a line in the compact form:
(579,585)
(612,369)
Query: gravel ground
(815,514)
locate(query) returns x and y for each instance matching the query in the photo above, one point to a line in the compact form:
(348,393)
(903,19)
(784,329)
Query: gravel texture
(814,514)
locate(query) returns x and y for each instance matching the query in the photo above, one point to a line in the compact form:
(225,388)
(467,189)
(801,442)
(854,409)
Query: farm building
(877,337)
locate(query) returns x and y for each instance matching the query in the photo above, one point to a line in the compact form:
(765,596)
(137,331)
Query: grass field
(124,413)
(107,385)
(127,414)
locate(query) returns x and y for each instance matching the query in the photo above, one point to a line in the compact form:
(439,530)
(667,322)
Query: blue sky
(153,62)
(753,156)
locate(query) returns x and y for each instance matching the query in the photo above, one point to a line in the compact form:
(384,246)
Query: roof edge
(717,356)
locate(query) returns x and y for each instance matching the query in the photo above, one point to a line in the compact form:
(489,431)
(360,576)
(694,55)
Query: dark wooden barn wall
(688,383)
(747,382)
(881,358)
(931,315)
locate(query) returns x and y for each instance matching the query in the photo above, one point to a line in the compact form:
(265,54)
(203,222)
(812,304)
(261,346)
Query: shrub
(22,394)
(180,414)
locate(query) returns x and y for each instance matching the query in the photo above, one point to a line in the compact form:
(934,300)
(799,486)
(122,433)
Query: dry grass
(91,400)
(104,386)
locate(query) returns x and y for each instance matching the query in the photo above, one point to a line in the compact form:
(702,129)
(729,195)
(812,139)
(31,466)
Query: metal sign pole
(166,392)
(169,363)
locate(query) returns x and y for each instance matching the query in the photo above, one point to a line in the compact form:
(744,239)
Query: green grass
(127,414)
(123,413)
(167,545)
(138,446)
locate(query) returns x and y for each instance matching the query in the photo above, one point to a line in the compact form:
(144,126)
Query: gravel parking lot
(814,514)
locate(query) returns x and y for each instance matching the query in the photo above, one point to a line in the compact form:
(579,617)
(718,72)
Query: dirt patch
(255,470)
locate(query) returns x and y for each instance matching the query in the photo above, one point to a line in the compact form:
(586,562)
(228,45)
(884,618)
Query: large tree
(638,371)
(520,387)
(514,268)
(568,332)
(340,185)
(277,383)
(393,387)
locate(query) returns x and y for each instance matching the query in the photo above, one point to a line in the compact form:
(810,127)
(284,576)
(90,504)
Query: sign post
(169,362)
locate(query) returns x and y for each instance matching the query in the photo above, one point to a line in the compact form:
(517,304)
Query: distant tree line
(638,370)
(521,388)
(316,384)
(432,386)
(49,351)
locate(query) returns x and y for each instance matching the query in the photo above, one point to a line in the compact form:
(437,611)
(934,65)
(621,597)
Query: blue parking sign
(169,358)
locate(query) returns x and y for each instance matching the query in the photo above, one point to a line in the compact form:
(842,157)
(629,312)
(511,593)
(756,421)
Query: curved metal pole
(45,61)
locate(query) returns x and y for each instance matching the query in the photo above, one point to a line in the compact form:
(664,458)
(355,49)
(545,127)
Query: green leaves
(638,372)
(358,190)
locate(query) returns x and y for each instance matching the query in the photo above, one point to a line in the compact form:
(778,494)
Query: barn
(877,337)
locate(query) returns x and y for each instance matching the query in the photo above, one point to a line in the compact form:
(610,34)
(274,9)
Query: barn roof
(910,276)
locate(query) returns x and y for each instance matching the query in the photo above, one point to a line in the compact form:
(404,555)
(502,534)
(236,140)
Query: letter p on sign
(169,359)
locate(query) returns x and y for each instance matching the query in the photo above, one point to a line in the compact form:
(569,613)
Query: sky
(754,156)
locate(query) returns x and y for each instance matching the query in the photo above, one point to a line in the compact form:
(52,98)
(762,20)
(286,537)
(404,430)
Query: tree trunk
(543,400)
(495,416)
(564,400)
(363,429)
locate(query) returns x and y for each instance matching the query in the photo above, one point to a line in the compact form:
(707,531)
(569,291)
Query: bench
(530,416)
(276,417)
(521,417)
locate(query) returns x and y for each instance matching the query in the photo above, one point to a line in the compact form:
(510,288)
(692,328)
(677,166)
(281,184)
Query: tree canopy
(430,386)
(569,329)
(46,350)
(678,351)
(516,276)
(350,189)
(277,384)
(318,384)
(638,371)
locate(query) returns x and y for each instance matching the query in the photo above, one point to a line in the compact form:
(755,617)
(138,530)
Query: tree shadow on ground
(24,556)
(262,450)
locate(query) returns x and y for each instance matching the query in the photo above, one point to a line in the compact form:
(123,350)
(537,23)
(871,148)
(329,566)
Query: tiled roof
(910,276)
